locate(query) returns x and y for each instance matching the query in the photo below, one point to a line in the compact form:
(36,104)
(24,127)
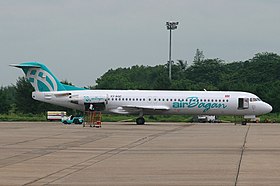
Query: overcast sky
(79,40)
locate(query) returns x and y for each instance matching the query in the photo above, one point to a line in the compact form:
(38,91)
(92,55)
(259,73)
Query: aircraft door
(243,103)
(97,103)
(95,106)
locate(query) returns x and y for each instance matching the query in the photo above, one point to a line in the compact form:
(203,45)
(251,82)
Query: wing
(134,109)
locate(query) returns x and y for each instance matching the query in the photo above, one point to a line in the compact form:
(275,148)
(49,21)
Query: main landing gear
(243,120)
(140,121)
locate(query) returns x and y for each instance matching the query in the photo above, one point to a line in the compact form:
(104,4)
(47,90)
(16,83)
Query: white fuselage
(160,102)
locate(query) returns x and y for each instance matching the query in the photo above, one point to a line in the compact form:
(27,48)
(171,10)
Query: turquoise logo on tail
(41,80)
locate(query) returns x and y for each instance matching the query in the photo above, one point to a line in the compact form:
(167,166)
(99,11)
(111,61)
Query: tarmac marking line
(45,151)
(50,178)
(241,155)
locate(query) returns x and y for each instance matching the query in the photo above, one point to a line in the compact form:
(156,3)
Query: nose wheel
(140,121)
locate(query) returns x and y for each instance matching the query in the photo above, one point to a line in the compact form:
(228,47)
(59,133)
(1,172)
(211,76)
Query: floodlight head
(171,25)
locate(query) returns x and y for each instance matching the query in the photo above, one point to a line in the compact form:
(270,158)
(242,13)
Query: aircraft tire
(140,121)
(244,123)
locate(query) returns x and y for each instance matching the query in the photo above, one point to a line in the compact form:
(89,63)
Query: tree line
(259,75)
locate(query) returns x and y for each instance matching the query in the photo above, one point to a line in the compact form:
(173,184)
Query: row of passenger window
(165,99)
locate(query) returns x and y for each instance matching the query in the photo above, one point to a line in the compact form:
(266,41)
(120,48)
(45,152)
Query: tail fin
(42,79)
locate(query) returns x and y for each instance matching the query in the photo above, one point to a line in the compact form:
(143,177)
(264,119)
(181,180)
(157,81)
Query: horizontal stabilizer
(25,66)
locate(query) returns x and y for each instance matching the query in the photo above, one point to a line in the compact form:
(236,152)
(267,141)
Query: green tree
(206,71)
(198,57)
(182,64)
(259,75)
(4,103)
(24,102)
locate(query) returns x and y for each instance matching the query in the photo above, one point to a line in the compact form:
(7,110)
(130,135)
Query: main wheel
(140,121)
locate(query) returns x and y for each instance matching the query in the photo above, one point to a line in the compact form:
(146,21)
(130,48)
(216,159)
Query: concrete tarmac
(128,154)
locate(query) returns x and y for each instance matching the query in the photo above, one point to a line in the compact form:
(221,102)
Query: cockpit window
(254,99)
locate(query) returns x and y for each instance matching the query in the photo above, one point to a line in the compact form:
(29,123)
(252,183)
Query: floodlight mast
(171,25)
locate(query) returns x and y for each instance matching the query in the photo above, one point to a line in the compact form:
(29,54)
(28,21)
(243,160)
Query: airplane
(141,102)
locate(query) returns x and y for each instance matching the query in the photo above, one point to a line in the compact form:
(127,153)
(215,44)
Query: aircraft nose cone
(263,108)
(268,108)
